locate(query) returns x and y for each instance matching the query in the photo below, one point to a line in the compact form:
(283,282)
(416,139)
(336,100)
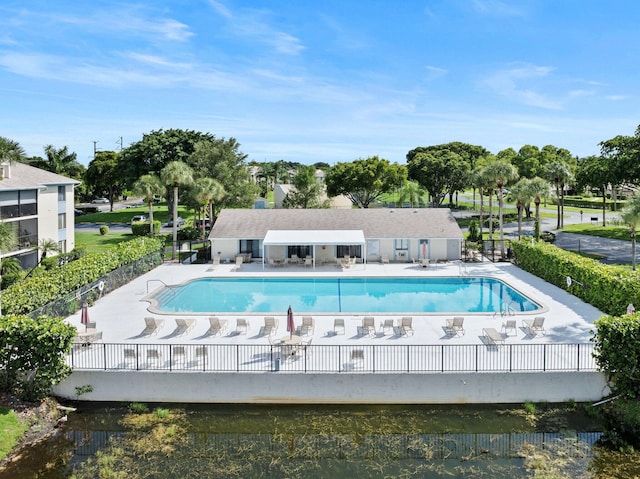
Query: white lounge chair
(179,355)
(154,357)
(534,326)
(509,325)
(130,357)
(215,262)
(406,325)
(369,326)
(201,355)
(239,260)
(307,326)
(270,326)
(242,326)
(152,327)
(455,326)
(493,336)
(184,326)
(387,326)
(338,326)
(217,326)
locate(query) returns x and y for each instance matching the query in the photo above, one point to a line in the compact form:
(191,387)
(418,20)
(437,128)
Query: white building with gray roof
(328,235)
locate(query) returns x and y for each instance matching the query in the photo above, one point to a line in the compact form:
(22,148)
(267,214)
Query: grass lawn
(11,430)
(96,243)
(613,232)
(160,213)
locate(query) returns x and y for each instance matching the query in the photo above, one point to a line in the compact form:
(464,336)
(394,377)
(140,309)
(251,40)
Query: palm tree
(539,190)
(412,192)
(501,173)
(522,193)
(480,181)
(206,192)
(174,175)
(148,186)
(9,270)
(10,150)
(631,215)
(559,174)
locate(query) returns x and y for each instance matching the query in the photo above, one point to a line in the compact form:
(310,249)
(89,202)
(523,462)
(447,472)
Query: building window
(63,246)
(401,244)
(251,246)
(61,193)
(301,251)
(352,250)
(62,221)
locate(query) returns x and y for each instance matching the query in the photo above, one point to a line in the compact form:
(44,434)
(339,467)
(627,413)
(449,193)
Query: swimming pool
(342,295)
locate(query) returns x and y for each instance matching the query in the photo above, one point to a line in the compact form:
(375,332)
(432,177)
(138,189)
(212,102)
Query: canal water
(241,441)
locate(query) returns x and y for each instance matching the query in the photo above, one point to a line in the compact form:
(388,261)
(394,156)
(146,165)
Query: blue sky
(330,80)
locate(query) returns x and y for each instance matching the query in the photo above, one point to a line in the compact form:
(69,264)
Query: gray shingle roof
(374,222)
(27,177)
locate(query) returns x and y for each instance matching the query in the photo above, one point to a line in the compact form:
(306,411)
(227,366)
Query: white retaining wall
(287,388)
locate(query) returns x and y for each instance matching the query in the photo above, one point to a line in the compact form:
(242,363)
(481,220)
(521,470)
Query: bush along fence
(608,288)
(61,291)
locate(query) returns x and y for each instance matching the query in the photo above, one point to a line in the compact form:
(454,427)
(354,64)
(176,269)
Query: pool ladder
(165,285)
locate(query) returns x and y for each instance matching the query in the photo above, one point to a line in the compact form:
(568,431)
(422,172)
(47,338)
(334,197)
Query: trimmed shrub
(104,229)
(37,291)
(143,228)
(189,234)
(608,288)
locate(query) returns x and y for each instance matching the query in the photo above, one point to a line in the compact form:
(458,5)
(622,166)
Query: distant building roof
(374,222)
(19,176)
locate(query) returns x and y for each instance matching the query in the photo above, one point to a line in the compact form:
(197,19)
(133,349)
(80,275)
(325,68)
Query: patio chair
(239,260)
(274,341)
(308,261)
(424,262)
(153,357)
(534,326)
(201,355)
(152,327)
(184,326)
(294,259)
(216,261)
(357,359)
(509,325)
(270,325)
(130,356)
(387,326)
(338,326)
(493,336)
(307,326)
(90,326)
(406,325)
(179,355)
(242,326)
(217,326)
(305,346)
(369,326)
(455,326)
(384,260)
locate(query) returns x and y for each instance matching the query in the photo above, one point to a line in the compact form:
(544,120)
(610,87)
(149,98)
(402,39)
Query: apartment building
(39,204)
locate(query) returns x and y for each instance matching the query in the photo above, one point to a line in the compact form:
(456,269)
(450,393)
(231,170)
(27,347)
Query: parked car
(180,222)
(100,200)
(139,218)
(78,212)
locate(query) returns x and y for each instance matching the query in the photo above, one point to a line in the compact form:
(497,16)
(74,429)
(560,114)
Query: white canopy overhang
(313,238)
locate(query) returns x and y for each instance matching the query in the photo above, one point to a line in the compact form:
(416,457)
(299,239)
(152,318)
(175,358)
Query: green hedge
(142,228)
(608,288)
(34,292)
(587,203)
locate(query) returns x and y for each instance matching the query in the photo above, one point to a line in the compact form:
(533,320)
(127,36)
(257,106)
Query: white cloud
(519,85)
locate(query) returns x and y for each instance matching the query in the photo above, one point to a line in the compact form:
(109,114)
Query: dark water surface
(200,441)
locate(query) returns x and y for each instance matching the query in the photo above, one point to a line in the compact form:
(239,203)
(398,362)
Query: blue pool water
(343,295)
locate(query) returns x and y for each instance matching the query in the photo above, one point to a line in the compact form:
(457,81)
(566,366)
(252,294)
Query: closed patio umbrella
(84,314)
(291,325)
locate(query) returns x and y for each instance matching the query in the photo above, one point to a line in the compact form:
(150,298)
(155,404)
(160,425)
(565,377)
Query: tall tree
(205,192)
(522,193)
(597,172)
(60,161)
(103,175)
(559,174)
(364,180)
(539,190)
(501,173)
(307,192)
(223,161)
(631,215)
(149,186)
(174,175)
(439,172)
(411,192)
(10,150)
(624,151)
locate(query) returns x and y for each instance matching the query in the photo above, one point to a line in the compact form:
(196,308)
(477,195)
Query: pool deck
(120,314)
